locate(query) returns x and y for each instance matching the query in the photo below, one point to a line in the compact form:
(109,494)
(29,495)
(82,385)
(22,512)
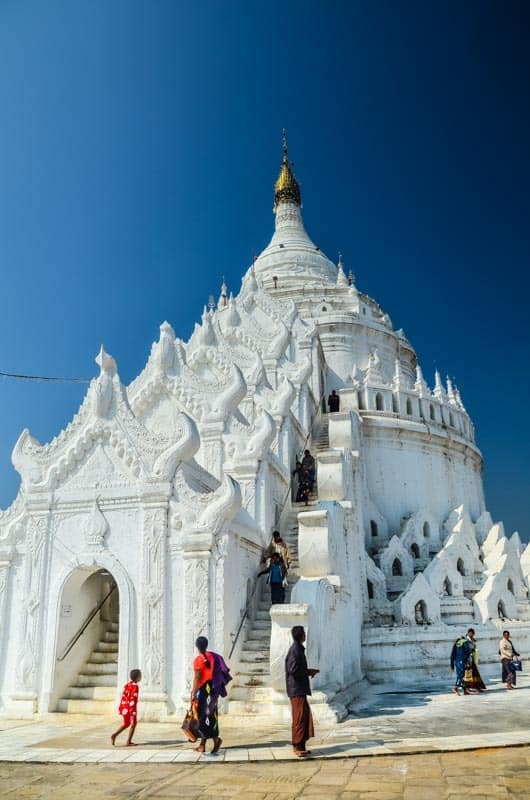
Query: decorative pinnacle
(439,391)
(342,280)
(223,298)
(286,188)
(105,362)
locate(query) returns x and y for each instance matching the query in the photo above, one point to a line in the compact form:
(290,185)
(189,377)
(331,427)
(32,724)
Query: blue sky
(138,149)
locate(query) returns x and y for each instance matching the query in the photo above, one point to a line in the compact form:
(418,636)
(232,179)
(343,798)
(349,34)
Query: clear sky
(139,144)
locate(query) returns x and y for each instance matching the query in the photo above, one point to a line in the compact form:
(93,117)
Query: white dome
(291,256)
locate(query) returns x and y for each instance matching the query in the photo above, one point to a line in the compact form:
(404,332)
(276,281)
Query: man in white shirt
(507,651)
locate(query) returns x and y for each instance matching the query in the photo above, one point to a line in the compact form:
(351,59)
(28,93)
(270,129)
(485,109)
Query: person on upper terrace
(333,402)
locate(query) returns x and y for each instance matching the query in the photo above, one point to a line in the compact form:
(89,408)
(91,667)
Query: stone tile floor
(388,720)
(475,775)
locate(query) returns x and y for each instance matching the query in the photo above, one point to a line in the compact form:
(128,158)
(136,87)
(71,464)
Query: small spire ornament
(342,280)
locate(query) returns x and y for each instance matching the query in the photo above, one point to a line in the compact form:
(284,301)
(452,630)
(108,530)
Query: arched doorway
(420,613)
(397,568)
(86,660)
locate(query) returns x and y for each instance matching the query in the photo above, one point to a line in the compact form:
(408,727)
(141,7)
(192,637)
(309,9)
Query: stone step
(259,665)
(262,624)
(110,636)
(99,657)
(254,662)
(86,707)
(249,707)
(253,646)
(255,680)
(85,679)
(113,626)
(249,693)
(256,646)
(101,669)
(251,659)
(259,634)
(91,693)
(107,647)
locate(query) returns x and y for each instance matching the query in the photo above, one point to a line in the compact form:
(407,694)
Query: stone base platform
(389,719)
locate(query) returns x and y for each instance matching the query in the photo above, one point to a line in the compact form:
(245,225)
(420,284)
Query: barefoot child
(128,705)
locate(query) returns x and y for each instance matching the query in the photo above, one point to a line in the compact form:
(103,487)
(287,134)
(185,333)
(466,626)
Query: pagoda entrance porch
(86,661)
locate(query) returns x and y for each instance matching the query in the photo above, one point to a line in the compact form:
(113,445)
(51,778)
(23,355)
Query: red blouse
(203,664)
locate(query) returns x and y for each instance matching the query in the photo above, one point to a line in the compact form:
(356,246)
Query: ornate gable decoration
(104,441)
(202,381)
(222,363)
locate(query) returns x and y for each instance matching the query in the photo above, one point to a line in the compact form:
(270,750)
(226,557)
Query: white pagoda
(142,524)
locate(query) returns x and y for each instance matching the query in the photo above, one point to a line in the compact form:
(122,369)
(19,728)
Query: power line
(20,377)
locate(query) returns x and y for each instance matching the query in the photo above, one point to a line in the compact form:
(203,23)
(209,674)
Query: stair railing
(86,623)
(250,597)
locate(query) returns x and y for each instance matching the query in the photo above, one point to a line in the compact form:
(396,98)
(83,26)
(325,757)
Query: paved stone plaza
(387,720)
(480,774)
(399,743)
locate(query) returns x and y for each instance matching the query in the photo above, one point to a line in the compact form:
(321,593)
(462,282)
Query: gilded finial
(286,188)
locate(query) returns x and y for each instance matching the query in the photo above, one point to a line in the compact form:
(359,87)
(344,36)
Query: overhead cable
(20,377)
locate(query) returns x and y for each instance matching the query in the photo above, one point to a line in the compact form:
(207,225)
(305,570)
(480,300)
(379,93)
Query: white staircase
(94,691)
(251,690)
(251,693)
(321,434)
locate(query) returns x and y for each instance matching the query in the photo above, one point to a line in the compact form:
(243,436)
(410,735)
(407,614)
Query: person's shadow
(166,743)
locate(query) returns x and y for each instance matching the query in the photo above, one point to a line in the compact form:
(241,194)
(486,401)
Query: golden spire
(286,188)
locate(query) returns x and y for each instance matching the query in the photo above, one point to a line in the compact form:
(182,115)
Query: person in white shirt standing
(507,652)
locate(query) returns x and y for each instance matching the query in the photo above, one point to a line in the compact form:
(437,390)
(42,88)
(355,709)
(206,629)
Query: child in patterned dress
(128,707)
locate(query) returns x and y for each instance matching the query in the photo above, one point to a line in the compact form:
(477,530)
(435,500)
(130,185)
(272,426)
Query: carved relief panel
(34,574)
(153,599)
